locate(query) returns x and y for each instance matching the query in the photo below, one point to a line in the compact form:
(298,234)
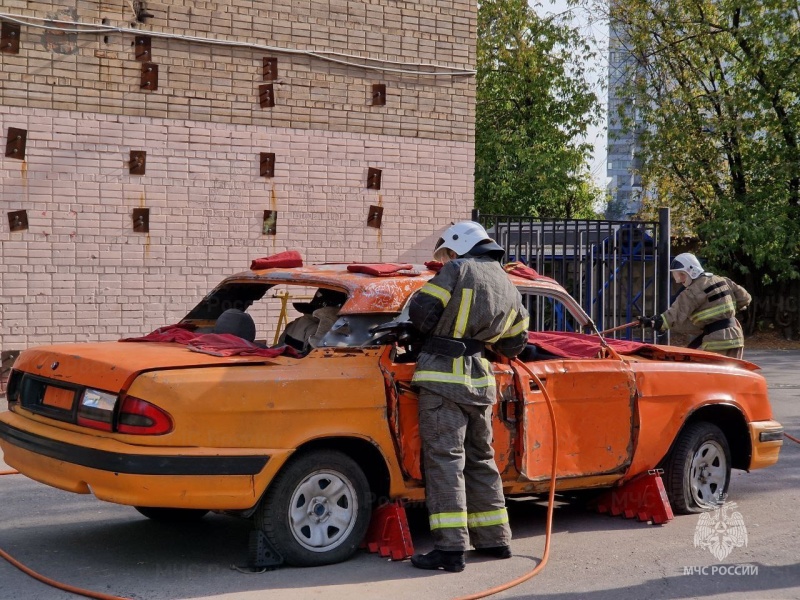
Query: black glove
(645,321)
(653,322)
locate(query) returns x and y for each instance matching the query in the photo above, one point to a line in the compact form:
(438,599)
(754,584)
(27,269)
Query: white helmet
(688,263)
(469,237)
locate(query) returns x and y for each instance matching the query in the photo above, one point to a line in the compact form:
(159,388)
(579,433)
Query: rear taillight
(142,418)
(96,409)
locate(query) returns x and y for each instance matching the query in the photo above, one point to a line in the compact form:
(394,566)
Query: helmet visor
(677,265)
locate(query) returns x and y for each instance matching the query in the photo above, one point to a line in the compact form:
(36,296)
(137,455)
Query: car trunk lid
(110,365)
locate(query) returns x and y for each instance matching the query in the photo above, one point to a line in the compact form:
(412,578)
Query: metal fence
(617,270)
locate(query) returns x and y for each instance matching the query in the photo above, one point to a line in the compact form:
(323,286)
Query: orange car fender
(660,419)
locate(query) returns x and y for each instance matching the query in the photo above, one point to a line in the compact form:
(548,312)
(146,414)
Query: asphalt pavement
(112,549)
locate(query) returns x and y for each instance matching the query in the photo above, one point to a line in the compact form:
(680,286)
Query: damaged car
(306,441)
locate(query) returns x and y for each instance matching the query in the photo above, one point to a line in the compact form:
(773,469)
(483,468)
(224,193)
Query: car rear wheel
(698,470)
(172,515)
(317,510)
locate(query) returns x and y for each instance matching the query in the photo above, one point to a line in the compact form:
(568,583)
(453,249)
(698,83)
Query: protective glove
(654,322)
(645,321)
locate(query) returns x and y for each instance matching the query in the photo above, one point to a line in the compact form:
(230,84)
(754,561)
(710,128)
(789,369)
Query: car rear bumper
(766,439)
(221,479)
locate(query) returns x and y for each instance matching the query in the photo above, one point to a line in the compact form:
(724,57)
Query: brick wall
(80,271)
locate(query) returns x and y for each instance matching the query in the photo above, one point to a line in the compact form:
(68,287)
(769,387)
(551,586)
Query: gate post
(662,299)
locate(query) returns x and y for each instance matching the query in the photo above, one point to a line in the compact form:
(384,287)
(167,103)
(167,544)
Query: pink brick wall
(80,272)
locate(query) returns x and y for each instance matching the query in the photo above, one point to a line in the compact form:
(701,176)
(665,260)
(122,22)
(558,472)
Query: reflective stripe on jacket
(469,298)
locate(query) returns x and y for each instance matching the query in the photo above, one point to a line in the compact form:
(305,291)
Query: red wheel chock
(643,497)
(388,533)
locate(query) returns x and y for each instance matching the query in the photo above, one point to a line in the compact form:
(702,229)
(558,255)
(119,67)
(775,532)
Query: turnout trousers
(463,488)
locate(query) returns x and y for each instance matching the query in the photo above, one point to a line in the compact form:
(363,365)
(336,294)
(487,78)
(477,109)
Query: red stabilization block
(388,533)
(643,497)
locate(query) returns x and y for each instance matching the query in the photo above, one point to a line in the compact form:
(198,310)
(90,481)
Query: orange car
(309,444)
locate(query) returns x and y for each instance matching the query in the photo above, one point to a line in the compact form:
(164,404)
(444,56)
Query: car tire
(172,515)
(317,510)
(698,469)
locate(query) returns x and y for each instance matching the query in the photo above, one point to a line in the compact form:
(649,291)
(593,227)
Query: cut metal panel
(267,164)
(141,220)
(18,220)
(15,145)
(270,68)
(266,95)
(375,216)
(9,37)
(378,94)
(149,76)
(137,163)
(143,48)
(373,179)
(270,224)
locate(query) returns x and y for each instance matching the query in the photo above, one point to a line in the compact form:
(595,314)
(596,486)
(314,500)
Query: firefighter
(707,303)
(469,306)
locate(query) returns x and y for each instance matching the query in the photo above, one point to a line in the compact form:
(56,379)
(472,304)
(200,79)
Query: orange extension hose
(57,584)
(9,472)
(550,500)
(794,439)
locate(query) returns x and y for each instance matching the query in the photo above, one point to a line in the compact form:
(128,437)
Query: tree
(715,85)
(533,106)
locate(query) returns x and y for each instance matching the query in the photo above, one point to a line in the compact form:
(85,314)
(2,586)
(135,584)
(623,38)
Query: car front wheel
(698,470)
(317,510)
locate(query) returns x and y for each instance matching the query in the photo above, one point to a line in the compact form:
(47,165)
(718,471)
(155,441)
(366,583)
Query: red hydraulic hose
(794,439)
(550,500)
(9,472)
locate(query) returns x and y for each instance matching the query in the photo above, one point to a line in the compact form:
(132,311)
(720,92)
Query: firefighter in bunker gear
(470,304)
(708,305)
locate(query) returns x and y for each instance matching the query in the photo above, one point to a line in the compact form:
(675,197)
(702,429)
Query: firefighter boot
(449,560)
(495,551)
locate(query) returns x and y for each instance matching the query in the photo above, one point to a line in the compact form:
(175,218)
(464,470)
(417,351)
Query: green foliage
(533,104)
(716,86)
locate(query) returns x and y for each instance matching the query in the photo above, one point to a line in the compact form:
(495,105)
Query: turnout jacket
(470,299)
(710,303)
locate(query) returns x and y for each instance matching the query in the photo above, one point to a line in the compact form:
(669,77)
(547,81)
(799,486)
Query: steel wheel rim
(323,510)
(708,474)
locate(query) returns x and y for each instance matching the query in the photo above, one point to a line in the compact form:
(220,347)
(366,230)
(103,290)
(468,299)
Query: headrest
(236,322)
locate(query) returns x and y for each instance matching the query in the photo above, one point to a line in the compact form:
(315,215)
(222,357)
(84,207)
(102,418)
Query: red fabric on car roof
(524,271)
(383,269)
(283,260)
(434,265)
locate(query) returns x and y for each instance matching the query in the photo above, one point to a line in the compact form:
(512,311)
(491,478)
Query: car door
(593,398)
(593,402)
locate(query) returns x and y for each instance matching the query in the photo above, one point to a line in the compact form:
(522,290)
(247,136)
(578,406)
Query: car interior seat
(236,322)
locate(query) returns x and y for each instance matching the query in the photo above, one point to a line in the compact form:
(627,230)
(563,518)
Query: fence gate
(617,270)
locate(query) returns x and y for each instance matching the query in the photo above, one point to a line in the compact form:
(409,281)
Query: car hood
(111,365)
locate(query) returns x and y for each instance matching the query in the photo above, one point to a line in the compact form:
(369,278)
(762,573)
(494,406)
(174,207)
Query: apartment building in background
(622,162)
